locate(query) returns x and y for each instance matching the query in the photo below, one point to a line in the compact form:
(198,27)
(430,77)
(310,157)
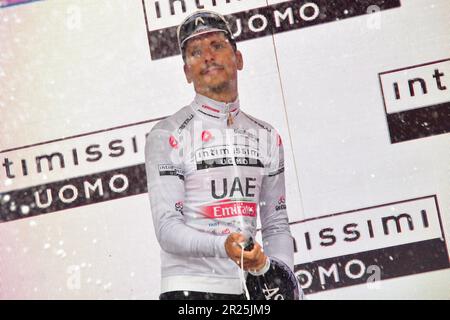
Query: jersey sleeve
(276,234)
(165,182)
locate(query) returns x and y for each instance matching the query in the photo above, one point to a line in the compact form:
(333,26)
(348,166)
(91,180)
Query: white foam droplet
(25,209)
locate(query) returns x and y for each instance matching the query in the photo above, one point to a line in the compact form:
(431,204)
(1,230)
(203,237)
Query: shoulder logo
(281,203)
(179,206)
(279,141)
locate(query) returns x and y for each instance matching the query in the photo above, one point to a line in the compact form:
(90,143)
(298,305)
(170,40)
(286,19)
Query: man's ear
(187,73)
(239,60)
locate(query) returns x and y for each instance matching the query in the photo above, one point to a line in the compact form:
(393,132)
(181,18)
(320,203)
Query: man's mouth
(212,69)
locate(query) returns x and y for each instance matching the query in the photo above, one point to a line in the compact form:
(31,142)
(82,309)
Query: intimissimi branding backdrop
(359,91)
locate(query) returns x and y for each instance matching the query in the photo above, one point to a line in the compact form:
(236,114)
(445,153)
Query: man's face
(211,62)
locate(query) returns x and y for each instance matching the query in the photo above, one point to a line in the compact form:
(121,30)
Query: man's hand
(253,260)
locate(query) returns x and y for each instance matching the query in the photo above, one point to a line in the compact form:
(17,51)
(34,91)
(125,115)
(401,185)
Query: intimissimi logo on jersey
(227,155)
(170,170)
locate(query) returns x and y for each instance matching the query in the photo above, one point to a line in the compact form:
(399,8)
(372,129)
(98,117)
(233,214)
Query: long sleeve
(276,235)
(165,180)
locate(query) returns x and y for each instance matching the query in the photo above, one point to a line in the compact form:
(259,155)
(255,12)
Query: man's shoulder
(259,124)
(175,122)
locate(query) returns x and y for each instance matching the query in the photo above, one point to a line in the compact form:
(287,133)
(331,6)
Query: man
(210,169)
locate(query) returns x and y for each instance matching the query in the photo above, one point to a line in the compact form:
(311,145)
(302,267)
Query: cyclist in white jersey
(211,171)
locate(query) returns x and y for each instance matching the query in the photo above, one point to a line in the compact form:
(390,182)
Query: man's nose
(208,55)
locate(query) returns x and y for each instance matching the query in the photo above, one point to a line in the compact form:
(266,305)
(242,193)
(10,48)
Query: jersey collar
(216,109)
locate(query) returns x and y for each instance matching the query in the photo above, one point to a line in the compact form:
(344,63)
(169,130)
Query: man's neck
(223,94)
(222,98)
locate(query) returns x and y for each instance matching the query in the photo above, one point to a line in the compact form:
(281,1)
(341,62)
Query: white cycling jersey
(211,170)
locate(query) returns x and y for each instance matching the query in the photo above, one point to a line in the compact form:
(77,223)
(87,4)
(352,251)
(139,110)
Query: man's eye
(218,45)
(195,53)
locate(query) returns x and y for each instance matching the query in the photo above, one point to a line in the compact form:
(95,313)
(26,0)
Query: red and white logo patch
(206,136)
(279,141)
(179,206)
(230,208)
(281,203)
(173,142)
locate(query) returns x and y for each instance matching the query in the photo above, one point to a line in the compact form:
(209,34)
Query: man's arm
(276,234)
(165,181)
